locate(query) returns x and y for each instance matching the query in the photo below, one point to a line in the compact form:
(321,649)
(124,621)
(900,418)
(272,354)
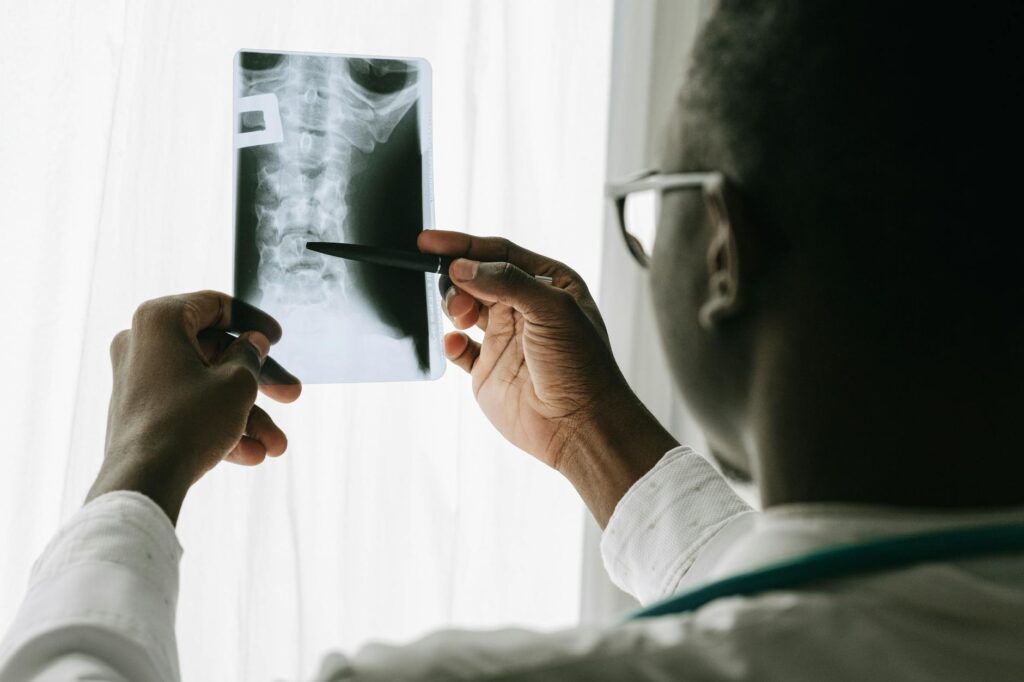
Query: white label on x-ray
(272,132)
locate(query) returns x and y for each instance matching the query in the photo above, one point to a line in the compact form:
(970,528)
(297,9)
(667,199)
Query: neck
(912,429)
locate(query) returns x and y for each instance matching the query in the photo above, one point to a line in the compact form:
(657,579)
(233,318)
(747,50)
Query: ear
(723,263)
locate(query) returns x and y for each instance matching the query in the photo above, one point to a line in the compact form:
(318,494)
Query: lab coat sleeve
(101,599)
(694,646)
(680,510)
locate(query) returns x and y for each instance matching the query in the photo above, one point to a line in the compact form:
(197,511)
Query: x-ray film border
(426,126)
(271,112)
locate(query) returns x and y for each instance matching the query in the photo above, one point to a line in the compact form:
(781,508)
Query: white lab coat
(101,601)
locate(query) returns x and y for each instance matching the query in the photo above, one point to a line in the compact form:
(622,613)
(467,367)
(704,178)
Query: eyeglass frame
(617,192)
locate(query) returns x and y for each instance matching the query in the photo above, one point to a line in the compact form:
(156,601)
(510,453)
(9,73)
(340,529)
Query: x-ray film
(336,148)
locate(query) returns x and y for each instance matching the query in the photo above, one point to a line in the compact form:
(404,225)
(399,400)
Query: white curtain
(652,42)
(397,509)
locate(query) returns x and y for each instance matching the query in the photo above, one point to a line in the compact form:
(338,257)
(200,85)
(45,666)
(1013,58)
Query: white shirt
(102,596)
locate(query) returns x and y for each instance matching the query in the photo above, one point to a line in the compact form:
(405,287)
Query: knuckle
(569,280)
(564,299)
(189,313)
(197,299)
(565,276)
(142,314)
(118,344)
(505,245)
(508,271)
(153,311)
(571,274)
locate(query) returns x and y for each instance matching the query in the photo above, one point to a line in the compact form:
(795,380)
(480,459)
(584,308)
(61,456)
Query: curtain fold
(652,41)
(397,509)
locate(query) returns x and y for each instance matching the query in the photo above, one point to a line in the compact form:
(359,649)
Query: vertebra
(330,124)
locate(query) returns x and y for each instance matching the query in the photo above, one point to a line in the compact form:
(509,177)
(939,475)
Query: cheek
(692,356)
(691,353)
(676,304)
(677,326)
(675,268)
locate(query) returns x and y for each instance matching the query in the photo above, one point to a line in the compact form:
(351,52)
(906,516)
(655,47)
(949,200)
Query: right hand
(183,395)
(544,373)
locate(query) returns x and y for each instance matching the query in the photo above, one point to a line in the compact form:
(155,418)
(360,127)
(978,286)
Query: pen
(408,260)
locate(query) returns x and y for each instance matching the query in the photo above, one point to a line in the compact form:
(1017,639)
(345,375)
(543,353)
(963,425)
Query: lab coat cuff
(108,579)
(123,527)
(661,524)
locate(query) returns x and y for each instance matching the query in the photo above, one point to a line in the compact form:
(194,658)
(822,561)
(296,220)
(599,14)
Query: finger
(278,383)
(469,318)
(248,452)
(489,249)
(461,350)
(446,299)
(454,302)
(213,342)
(444,283)
(261,427)
(483,317)
(460,303)
(461,308)
(510,285)
(216,310)
(274,381)
(242,360)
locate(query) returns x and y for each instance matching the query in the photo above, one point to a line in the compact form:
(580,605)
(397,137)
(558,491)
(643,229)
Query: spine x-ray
(336,148)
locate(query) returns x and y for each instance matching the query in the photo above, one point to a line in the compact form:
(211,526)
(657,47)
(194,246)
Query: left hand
(184,392)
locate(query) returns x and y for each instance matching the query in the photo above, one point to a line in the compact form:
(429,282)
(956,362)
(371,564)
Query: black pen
(407,260)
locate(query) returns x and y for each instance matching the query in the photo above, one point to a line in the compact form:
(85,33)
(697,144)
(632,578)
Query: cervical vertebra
(330,123)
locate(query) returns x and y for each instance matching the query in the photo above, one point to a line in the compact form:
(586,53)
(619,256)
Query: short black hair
(888,131)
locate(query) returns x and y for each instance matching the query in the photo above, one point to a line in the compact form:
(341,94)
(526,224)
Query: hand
(544,373)
(183,395)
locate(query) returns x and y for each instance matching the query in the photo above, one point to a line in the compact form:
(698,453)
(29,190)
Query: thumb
(245,355)
(507,284)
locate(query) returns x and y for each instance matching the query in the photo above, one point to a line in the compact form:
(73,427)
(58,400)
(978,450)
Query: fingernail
(447,299)
(464,269)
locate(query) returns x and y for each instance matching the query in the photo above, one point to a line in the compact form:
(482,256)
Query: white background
(396,509)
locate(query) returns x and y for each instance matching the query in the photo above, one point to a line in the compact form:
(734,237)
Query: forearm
(612,450)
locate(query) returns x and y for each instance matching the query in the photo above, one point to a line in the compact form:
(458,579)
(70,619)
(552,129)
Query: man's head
(863,258)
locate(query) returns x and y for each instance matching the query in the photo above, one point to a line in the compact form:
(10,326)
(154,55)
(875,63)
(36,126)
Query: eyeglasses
(638,204)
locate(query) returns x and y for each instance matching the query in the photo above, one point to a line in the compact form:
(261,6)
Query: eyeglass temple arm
(620,188)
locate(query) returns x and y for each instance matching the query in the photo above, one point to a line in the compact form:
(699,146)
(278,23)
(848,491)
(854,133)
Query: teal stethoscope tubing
(848,560)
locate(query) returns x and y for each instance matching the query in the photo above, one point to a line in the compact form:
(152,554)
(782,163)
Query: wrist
(159,486)
(611,450)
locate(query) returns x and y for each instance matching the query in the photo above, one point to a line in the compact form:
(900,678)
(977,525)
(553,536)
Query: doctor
(842,311)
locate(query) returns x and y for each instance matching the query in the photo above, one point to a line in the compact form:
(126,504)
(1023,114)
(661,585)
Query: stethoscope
(847,560)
